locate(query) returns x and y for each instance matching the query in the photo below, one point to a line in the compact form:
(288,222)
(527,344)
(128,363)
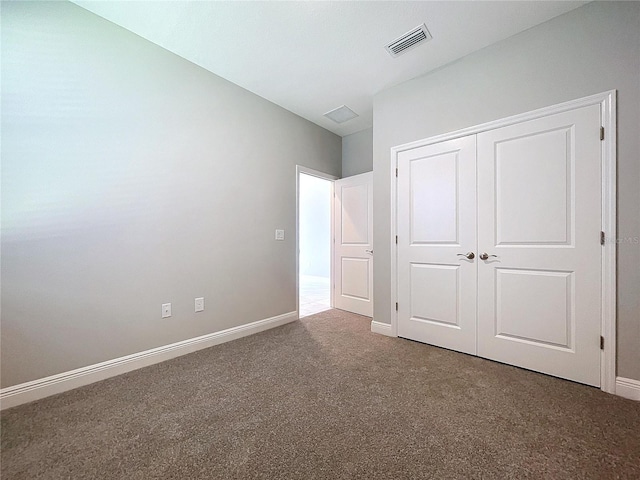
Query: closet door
(436,231)
(539,202)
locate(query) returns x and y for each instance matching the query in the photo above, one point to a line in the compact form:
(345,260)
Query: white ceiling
(313,56)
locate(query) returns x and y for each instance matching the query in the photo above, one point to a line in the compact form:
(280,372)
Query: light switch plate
(279,234)
(199,304)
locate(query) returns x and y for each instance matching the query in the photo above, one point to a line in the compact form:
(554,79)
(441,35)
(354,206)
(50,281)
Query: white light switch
(279,234)
(199,303)
(166,310)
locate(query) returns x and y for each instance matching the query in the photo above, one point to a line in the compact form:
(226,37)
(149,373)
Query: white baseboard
(381,328)
(61,382)
(628,388)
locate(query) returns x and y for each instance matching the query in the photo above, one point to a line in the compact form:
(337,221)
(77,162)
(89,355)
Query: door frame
(607,103)
(325,176)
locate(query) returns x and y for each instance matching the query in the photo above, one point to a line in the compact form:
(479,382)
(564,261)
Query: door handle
(485,256)
(370,252)
(469,255)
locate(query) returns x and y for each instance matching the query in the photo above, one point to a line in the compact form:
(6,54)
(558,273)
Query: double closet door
(499,249)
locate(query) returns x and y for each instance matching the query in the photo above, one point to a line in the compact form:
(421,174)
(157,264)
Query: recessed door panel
(545,317)
(440,302)
(355,278)
(355,214)
(434,193)
(533,188)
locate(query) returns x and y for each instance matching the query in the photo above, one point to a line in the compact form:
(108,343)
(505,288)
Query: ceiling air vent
(409,40)
(341,114)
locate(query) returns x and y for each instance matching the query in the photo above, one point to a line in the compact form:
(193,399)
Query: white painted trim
(394,245)
(315,173)
(44,387)
(628,388)
(607,102)
(381,328)
(609,226)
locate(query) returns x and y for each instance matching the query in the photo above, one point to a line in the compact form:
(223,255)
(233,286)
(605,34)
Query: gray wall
(130,178)
(586,51)
(357,153)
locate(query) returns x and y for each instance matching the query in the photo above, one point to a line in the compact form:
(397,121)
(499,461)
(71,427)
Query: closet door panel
(436,229)
(539,220)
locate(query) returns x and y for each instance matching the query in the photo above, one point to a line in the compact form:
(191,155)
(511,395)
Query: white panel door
(353,260)
(539,219)
(437,283)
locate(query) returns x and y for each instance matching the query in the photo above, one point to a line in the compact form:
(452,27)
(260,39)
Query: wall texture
(586,51)
(131,178)
(357,153)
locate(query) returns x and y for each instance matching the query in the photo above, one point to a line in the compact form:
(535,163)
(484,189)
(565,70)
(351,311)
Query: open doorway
(315,206)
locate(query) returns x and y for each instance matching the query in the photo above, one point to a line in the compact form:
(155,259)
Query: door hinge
(396,239)
(396,171)
(396,306)
(601,238)
(601,342)
(601,133)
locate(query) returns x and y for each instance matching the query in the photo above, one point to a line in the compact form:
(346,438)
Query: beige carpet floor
(323,398)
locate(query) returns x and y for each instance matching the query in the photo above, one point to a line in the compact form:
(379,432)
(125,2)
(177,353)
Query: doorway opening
(315,197)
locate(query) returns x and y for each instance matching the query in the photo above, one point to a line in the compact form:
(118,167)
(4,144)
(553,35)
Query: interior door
(353,260)
(539,210)
(437,281)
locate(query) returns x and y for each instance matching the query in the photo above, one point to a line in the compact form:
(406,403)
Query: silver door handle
(370,252)
(485,256)
(469,255)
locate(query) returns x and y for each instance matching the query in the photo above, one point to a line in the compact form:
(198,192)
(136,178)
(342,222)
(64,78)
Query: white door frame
(325,176)
(607,102)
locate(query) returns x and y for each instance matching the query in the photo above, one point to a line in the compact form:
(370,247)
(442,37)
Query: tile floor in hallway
(315,295)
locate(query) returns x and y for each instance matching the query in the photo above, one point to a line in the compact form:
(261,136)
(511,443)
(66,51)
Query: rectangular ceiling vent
(409,40)
(341,114)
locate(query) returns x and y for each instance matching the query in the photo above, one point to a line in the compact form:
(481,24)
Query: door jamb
(325,176)
(607,102)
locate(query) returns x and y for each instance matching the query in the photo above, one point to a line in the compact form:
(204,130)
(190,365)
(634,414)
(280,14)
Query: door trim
(325,176)
(607,102)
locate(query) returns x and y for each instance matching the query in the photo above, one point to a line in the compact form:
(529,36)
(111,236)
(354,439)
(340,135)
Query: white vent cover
(409,40)
(341,114)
